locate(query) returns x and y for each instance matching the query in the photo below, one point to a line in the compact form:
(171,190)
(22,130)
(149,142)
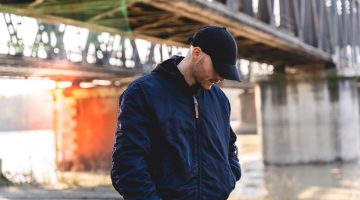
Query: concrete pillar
(86,123)
(305,121)
(247,112)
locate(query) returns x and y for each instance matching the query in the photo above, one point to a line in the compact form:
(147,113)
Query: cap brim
(227,71)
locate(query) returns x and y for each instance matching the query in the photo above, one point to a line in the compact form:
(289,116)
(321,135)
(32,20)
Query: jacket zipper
(196,107)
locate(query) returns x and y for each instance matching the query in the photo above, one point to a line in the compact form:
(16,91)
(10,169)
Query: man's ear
(196,53)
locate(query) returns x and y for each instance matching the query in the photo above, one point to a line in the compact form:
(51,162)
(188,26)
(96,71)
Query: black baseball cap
(221,46)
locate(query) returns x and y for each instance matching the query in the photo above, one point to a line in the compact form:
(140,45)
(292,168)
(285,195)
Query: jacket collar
(169,68)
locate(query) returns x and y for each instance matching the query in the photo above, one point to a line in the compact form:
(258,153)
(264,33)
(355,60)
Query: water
(28,156)
(312,181)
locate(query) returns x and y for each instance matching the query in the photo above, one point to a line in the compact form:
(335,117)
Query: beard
(199,73)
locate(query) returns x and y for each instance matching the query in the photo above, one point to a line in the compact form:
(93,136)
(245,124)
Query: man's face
(204,72)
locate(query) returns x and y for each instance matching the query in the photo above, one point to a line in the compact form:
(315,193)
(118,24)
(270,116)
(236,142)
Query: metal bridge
(298,33)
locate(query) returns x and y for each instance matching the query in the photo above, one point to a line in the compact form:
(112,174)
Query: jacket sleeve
(233,159)
(129,172)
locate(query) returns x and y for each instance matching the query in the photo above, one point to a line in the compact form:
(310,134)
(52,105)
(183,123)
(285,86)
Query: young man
(174,139)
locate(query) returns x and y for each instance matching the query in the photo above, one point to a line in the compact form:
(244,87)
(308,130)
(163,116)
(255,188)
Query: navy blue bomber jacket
(167,149)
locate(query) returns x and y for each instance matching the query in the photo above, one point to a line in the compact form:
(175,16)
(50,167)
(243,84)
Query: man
(174,139)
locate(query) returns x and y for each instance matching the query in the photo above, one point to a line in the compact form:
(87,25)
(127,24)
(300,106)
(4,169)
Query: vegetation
(4,181)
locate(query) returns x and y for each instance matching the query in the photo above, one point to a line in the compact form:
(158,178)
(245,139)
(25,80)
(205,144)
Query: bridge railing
(330,25)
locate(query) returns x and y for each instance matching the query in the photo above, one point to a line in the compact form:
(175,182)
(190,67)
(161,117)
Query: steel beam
(246,7)
(321,21)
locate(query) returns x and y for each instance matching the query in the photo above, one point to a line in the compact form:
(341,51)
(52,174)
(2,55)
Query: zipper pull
(196,105)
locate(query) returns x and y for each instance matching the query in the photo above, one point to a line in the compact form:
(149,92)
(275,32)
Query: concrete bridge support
(85,123)
(308,120)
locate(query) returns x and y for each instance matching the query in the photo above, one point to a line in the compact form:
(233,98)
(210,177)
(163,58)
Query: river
(306,181)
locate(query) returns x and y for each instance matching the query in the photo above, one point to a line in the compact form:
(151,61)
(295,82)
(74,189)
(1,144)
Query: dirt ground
(70,186)
(34,193)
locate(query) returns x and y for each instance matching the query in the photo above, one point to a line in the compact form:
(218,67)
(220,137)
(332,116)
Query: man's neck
(185,70)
